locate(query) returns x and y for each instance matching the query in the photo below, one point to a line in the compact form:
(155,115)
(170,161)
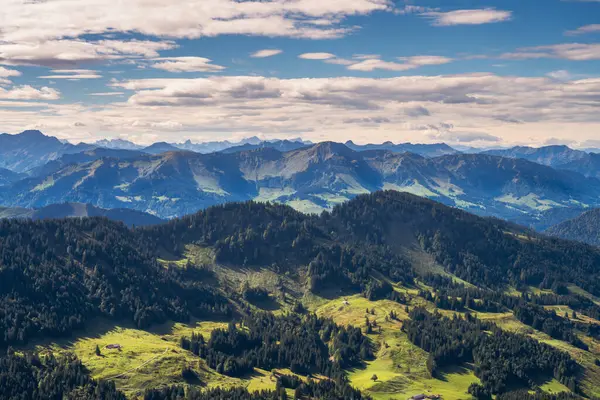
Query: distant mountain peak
(117,144)
(32,132)
(333,147)
(160,147)
(251,140)
(326,150)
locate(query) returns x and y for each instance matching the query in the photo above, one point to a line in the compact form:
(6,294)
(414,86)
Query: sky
(479,73)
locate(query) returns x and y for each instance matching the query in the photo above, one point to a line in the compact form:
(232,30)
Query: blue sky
(491,73)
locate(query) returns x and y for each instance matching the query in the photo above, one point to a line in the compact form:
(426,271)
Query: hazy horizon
(246,139)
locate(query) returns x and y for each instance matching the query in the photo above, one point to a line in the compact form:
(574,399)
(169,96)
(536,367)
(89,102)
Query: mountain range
(560,157)
(537,187)
(310,179)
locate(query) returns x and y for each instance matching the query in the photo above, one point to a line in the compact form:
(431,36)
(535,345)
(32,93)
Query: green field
(149,359)
(399,365)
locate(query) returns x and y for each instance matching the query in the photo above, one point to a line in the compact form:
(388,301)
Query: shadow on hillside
(94,329)
(269,304)
(332,293)
(98,327)
(465,369)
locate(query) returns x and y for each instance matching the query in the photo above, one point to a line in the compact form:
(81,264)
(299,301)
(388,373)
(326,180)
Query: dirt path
(139,366)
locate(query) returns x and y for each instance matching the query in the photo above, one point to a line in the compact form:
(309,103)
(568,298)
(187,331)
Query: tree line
(305,344)
(325,389)
(502,359)
(31,376)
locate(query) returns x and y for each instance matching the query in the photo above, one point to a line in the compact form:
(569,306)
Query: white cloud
(72,74)
(266,53)
(366,56)
(339,61)
(74,71)
(468,17)
(584,29)
(27,92)
(448,134)
(426,60)
(559,142)
(316,56)
(373,64)
(6,73)
(561,75)
(411,9)
(72,77)
(478,90)
(21,21)
(22,104)
(69,52)
(186,64)
(568,51)
(103,94)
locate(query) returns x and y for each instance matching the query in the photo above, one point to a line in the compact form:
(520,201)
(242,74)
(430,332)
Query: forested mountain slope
(584,228)
(243,260)
(56,275)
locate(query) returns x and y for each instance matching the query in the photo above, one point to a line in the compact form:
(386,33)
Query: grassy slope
(398,364)
(149,358)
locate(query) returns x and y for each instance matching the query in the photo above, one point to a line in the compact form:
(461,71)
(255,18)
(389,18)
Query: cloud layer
(475,109)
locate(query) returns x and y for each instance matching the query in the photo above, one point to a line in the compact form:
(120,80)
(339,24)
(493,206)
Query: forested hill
(99,267)
(484,251)
(56,275)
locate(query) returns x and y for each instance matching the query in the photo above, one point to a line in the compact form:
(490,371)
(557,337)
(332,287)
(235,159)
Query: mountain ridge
(556,156)
(129,217)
